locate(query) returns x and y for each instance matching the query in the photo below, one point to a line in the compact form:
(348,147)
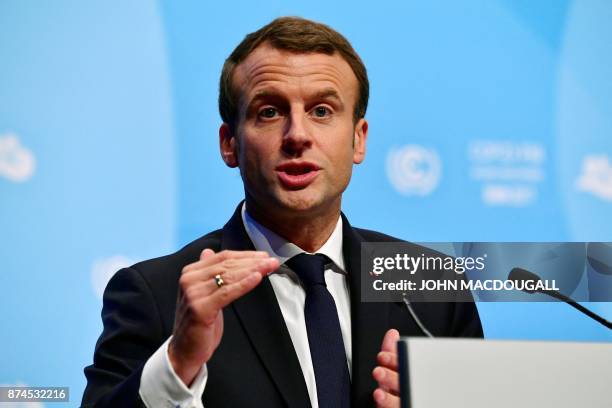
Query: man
(244,316)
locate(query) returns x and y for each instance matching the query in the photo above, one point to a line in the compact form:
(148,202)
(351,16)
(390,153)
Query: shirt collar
(266,240)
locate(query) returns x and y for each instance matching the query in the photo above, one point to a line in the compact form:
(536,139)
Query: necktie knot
(310,268)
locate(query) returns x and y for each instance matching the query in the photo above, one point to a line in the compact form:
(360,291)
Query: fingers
(223,296)
(241,271)
(387,393)
(226,263)
(387,379)
(384,399)
(390,341)
(206,253)
(231,271)
(205,286)
(387,359)
(198,325)
(209,257)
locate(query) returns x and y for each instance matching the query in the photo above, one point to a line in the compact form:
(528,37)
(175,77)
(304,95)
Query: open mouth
(297,175)
(297,170)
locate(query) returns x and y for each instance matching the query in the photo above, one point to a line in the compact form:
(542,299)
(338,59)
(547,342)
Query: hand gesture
(206,287)
(387,393)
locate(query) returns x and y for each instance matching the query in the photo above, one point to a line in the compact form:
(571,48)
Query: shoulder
(375,236)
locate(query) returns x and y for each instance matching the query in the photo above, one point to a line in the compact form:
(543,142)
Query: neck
(307,230)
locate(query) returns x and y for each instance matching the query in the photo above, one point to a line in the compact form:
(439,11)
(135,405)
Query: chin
(304,203)
(299,201)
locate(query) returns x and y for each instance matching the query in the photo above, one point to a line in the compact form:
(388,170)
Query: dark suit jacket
(255,364)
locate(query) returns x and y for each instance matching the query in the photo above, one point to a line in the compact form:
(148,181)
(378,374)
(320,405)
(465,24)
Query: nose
(296,138)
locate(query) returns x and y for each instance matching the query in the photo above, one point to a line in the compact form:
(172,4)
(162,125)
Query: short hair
(294,34)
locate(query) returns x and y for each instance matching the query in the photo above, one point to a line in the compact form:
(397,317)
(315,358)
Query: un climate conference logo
(17,163)
(414,169)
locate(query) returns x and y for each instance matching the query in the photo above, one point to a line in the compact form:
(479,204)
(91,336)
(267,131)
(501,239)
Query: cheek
(255,160)
(342,161)
(249,149)
(346,150)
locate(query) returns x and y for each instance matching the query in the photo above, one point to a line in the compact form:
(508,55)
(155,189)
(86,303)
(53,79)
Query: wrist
(185,369)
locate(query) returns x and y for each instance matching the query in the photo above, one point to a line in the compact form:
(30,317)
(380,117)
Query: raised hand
(198,324)
(387,393)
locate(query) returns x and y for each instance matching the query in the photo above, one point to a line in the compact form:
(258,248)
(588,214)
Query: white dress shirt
(161,387)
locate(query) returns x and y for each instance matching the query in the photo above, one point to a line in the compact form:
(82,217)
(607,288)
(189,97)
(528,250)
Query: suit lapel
(369,321)
(262,320)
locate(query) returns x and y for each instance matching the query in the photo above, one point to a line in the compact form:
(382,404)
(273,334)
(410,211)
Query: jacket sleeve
(131,334)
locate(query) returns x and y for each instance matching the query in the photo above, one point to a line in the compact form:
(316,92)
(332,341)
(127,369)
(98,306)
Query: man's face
(295,139)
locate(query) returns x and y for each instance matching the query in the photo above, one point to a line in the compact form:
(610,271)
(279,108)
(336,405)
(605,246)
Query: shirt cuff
(161,387)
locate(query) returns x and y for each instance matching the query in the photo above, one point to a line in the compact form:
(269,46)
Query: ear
(359,141)
(227,146)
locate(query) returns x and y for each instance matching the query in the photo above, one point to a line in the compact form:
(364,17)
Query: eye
(321,111)
(268,112)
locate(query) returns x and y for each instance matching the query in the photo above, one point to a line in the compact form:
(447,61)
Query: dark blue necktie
(324,335)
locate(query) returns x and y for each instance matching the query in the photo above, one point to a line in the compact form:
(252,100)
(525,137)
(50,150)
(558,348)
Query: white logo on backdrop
(16,162)
(596,177)
(512,196)
(103,270)
(509,171)
(414,169)
(29,404)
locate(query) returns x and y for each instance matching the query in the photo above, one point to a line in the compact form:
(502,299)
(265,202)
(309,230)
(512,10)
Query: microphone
(416,318)
(522,275)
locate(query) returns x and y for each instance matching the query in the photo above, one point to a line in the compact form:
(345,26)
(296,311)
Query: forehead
(268,66)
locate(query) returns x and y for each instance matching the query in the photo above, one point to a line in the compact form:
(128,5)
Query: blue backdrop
(489,121)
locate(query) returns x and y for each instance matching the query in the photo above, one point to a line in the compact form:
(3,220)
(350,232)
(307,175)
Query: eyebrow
(321,94)
(263,94)
(329,93)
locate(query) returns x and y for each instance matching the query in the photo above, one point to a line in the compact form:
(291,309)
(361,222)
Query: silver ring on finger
(219,281)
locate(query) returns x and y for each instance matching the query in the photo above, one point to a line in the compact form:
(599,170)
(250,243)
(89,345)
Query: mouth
(297,175)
